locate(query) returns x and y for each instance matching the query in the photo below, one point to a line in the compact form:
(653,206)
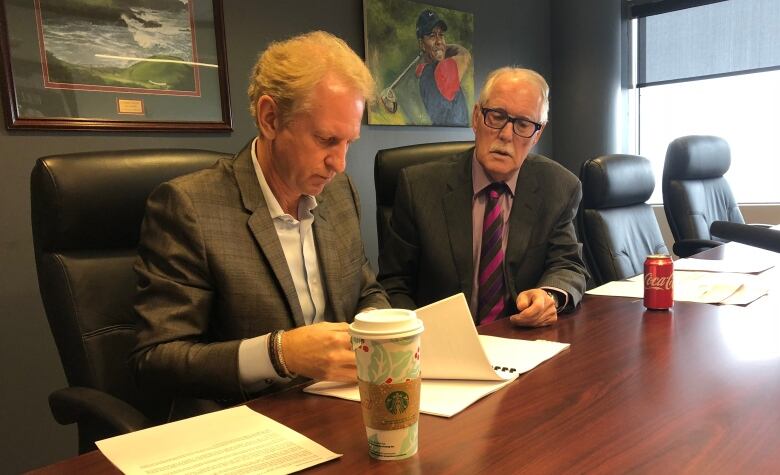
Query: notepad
(459,366)
(452,348)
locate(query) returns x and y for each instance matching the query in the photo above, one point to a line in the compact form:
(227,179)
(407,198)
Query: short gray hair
(526,74)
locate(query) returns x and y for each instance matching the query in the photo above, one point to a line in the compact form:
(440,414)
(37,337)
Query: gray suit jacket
(212,271)
(428,252)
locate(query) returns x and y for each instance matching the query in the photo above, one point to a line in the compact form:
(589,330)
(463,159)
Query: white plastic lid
(388,323)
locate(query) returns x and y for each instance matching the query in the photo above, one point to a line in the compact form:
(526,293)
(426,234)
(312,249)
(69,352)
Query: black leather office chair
(388,165)
(87,210)
(617,227)
(696,193)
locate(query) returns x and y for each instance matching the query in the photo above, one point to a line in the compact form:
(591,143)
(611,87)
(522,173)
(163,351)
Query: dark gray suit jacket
(428,252)
(212,271)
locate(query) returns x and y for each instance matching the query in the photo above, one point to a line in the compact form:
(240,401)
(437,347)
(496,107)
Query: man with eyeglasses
(440,72)
(496,222)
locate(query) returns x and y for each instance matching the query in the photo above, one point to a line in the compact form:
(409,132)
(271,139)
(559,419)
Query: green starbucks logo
(397,402)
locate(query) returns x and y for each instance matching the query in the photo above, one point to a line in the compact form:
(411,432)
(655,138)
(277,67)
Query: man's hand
(321,351)
(536,309)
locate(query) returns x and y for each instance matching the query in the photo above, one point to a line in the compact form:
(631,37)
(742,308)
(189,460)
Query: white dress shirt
(297,238)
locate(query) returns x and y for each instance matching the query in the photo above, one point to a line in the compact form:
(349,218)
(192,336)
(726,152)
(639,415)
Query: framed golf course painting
(421,58)
(152,65)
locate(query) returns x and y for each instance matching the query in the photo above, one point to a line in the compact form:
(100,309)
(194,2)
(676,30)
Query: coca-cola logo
(658,283)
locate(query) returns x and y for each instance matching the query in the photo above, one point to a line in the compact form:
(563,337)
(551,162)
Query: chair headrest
(390,161)
(616,180)
(697,157)
(97,200)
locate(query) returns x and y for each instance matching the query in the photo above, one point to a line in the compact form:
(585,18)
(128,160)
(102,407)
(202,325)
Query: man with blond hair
(267,241)
(495,222)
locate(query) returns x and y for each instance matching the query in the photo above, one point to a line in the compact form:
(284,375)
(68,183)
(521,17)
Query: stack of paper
(742,266)
(459,366)
(703,287)
(237,440)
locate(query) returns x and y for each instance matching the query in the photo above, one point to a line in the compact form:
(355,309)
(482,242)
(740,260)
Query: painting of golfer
(421,58)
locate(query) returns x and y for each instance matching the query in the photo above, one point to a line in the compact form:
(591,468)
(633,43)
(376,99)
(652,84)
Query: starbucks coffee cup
(387,348)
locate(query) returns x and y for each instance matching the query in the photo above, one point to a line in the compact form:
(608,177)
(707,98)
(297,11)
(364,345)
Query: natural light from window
(743,109)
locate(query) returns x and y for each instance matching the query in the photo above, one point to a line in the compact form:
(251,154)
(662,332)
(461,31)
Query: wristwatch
(554,295)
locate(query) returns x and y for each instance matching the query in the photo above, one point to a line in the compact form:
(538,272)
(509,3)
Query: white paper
(450,343)
(690,286)
(520,355)
(459,366)
(620,288)
(438,397)
(747,294)
(744,266)
(237,439)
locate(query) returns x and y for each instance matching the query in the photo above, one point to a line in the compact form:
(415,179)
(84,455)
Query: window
(744,110)
(713,70)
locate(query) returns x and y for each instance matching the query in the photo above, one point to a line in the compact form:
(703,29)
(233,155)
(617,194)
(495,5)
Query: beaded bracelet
(280,355)
(272,354)
(276,356)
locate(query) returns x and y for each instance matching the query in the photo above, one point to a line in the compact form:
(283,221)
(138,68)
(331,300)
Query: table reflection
(751,336)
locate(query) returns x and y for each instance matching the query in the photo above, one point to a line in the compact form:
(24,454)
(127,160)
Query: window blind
(716,39)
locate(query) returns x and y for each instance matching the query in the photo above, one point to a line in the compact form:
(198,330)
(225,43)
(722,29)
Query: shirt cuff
(561,293)
(255,370)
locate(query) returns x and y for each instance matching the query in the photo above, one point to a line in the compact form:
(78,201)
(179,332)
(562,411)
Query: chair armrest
(760,225)
(77,404)
(689,247)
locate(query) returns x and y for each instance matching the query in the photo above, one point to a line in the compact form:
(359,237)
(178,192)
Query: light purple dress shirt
(480,180)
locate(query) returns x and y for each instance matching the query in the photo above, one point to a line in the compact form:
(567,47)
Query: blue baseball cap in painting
(427,21)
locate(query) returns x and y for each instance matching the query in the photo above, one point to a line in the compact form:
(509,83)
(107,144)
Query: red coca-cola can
(659,275)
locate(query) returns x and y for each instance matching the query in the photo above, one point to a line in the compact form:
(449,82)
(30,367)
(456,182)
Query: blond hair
(525,74)
(288,71)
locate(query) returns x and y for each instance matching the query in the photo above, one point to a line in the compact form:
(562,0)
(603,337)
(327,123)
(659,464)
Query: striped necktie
(491,258)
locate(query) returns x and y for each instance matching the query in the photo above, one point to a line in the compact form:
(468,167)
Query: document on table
(742,266)
(459,366)
(237,440)
(703,287)
(620,288)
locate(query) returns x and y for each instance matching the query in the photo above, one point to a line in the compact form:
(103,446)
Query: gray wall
(586,100)
(506,32)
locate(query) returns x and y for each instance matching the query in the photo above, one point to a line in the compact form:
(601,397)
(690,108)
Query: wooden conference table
(694,390)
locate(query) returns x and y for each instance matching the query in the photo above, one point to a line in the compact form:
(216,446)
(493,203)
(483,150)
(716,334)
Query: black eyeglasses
(497,119)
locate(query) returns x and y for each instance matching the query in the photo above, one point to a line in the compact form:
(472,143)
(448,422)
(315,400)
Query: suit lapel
(457,213)
(523,216)
(262,227)
(326,240)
